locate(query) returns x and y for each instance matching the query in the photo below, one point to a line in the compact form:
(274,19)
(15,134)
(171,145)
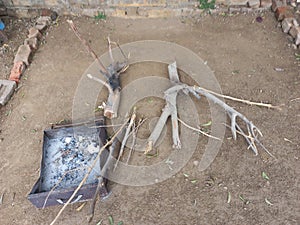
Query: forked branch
(251,135)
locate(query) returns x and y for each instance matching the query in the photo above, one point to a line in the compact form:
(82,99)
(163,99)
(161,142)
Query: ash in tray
(73,154)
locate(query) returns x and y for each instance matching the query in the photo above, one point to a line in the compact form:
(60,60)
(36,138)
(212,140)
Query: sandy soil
(243,55)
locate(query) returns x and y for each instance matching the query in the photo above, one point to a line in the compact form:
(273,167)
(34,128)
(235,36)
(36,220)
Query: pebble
(196,163)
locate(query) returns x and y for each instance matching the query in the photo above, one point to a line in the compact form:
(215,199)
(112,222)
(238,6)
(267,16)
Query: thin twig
(103,171)
(109,50)
(198,130)
(87,174)
(87,46)
(105,126)
(242,100)
(134,137)
(126,136)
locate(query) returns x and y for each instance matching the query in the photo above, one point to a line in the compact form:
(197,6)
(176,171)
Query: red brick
(277,3)
(17,71)
(283,12)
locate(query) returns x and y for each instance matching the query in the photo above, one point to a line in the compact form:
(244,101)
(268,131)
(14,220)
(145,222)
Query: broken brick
(287,24)
(16,71)
(23,54)
(283,12)
(277,3)
(7,88)
(34,32)
(32,42)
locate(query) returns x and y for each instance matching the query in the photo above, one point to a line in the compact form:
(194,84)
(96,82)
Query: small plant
(207,4)
(100,16)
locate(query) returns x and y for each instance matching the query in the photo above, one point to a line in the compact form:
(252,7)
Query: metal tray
(67,153)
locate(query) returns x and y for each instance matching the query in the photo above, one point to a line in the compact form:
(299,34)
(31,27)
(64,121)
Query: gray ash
(67,158)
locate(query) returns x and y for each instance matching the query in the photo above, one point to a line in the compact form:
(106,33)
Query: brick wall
(123,8)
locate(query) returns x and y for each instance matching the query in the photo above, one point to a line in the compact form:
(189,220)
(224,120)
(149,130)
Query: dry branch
(170,109)
(111,73)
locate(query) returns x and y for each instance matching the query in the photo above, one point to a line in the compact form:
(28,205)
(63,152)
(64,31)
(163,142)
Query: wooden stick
(198,130)
(126,136)
(104,169)
(87,174)
(241,100)
(86,45)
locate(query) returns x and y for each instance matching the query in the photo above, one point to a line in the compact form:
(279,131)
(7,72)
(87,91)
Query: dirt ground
(241,52)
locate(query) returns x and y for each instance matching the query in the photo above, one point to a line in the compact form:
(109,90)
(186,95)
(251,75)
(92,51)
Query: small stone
(40,27)
(286,25)
(7,88)
(23,54)
(266,3)
(44,19)
(34,33)
(47,12)
(294,46)
(238,2)
(294,31)
(254,4)
(17,70)
(32,42)
(196,163)
(297,39)
(295,22)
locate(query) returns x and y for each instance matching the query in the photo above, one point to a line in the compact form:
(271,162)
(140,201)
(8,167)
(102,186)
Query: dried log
(169,110)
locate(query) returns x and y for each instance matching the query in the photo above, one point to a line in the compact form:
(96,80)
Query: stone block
(32,42)
(40,27)
(265,3)
(254,4)
(238,2)
(7,88)
(286,25)
(23,54)
(294,31)
(44,20)
(34,33)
